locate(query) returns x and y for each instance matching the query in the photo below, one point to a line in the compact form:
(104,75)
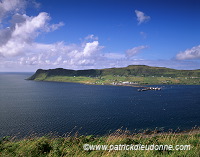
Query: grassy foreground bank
(73,145)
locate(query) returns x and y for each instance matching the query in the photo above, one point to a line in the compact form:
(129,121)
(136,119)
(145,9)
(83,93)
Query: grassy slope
(139,74)
(73,146)
(108,79)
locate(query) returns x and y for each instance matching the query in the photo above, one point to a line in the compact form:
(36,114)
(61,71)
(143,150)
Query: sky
(95,34)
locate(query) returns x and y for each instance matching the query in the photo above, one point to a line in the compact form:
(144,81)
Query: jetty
(148,88)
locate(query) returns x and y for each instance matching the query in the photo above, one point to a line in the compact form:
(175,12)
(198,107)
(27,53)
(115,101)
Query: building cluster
(125,83)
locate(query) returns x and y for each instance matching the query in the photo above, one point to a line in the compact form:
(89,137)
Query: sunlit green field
(109,79)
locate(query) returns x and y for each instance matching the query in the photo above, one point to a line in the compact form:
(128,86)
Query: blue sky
(84,34)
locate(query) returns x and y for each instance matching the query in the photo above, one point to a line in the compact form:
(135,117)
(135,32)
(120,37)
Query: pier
(148,88)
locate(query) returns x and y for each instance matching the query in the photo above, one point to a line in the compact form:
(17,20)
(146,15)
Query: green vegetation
(73,145)
(131,75)
(110,80)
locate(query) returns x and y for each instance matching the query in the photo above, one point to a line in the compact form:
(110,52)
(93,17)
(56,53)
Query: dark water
(41,107)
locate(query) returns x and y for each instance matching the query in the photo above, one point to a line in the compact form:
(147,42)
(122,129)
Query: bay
(28,107)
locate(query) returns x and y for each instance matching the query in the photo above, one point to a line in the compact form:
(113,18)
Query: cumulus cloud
(141,17)
(19,37)
(193,53)
(132,52)
(62,54)
(90,48)
(19,48)
(11,6)
(18,33)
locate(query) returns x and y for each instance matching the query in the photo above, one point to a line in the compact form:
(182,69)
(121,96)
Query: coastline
(133,75)
(110,84)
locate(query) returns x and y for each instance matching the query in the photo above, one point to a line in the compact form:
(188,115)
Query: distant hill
(131,70)
(131,75)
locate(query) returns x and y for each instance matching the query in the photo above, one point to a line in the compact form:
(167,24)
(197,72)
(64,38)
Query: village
(127,83)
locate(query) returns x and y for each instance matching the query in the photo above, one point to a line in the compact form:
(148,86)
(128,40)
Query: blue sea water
(28,107)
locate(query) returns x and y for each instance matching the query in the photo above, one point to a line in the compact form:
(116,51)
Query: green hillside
(133,74)
(181,145)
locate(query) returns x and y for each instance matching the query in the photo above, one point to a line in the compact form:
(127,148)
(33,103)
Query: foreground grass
(73,145)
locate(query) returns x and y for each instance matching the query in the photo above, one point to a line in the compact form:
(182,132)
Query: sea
(40,108)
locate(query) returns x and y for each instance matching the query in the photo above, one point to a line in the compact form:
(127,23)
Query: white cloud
(34,4)
(84,54)
(11,6)
(141,17)
(19,49)
(91,48)
(19,38)
(62,54)
(115,56)
(54,27)
(193,53)
(91,37)
(18,46)
(132,52)
(58,61)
